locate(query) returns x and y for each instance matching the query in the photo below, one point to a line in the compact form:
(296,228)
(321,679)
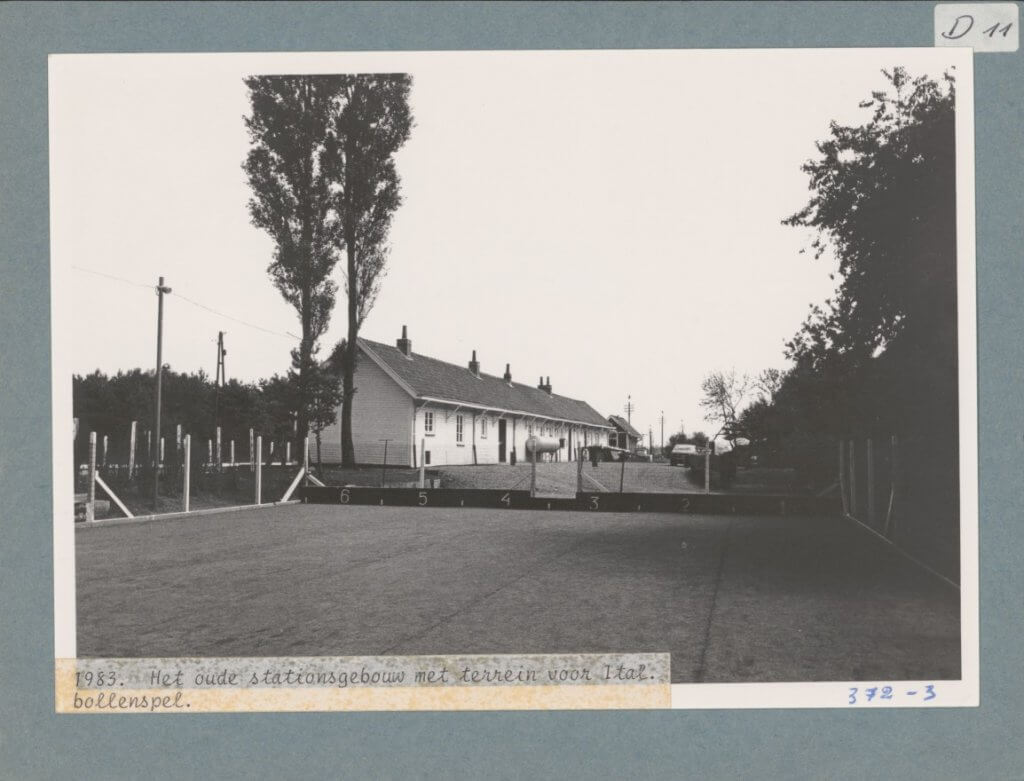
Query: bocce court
(732,597)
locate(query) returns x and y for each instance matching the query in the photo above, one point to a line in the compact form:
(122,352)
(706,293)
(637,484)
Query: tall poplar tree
(289,129)
(324,182)
(372,122)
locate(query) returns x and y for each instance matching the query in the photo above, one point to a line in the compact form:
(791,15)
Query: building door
(501,441)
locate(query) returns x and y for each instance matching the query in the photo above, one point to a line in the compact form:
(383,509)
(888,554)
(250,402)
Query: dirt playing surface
(733,598)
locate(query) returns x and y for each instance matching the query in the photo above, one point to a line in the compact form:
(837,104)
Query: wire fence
(135,473)
(906,489)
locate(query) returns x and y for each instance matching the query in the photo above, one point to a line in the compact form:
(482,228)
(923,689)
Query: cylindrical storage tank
(539,445)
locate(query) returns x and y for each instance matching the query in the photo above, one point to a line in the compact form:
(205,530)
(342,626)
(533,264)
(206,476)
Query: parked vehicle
(683,455)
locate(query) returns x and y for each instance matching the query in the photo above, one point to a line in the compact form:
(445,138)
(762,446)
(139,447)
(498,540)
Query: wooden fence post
(232,452)
(131,451)
(305,461)
(220,460)
(423,450)
(186,488)
(90,502)
(160,463)
(288,452)
(177,442)
(893,487)
(259,469)
(252,464)
(707,470)
(106,447)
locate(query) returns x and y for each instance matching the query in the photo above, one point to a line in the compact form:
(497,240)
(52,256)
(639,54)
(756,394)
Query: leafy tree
(240,409)
(108,405)
(324,181)
(880,356)
(762,420)
(372,123)
(884,203)
(767,383)
(724,395)
(291,179)
(280,402)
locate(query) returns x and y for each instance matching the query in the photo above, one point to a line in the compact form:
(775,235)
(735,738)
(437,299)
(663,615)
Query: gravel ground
(731,598)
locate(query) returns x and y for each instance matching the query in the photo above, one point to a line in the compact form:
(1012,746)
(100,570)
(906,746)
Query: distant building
(623,434)
(460,414)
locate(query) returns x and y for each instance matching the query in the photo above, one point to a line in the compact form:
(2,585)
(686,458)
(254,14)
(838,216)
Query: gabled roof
(428,378)
(623,424)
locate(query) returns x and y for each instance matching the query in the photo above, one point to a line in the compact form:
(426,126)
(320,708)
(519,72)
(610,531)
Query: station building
(623,434)
(454,414)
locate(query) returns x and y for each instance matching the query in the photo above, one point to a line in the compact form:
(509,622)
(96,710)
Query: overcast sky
(610,219)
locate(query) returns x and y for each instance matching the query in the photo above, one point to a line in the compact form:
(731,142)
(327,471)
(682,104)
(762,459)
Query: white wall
(444,448)
(442,441)
(380,410)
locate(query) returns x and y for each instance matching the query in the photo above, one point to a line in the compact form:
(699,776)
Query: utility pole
(629,409)
(160,291)
(221,376)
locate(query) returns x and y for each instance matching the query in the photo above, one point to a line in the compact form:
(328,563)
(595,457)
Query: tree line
(108,404)
(880,356)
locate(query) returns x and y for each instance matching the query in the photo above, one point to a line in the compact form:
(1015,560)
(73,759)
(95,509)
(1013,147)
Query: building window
(483,428)
(458,429)
(428,423)
(426,458)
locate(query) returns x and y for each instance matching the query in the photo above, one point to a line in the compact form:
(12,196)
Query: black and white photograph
(656,364)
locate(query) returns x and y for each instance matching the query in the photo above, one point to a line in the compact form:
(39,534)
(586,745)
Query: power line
(286,334)
(112,276)
(211,310)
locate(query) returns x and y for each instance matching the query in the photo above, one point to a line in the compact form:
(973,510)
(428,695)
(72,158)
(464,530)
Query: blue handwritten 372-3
(861,695)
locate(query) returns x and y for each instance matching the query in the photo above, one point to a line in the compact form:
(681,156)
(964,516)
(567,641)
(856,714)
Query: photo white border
(964,692)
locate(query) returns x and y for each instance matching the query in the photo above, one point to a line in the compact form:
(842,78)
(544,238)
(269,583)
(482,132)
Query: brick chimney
(545,386)
(474,365)
(405,344)
(508,373)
